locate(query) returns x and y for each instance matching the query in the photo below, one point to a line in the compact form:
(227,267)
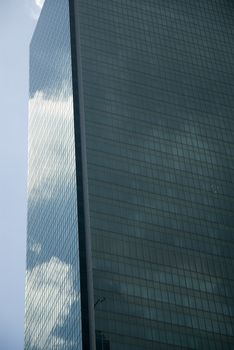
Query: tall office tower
(131,197)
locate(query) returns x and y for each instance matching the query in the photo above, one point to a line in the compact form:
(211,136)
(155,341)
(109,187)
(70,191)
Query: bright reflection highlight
(44,170)
(40,3)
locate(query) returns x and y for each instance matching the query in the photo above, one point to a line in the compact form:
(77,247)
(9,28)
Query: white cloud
(50,295)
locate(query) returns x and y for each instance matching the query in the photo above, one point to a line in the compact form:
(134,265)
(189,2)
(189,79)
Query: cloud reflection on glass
(53,287)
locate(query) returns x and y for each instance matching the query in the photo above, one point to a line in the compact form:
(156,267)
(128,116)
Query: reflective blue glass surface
(53,311)
(157,79)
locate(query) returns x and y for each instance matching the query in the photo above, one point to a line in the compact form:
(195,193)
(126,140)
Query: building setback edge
(85,252)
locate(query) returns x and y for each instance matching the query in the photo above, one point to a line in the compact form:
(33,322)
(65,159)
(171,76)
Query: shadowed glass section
(53,311)
(158,97)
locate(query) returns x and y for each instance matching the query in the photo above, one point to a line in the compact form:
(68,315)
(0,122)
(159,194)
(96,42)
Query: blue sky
(17,22)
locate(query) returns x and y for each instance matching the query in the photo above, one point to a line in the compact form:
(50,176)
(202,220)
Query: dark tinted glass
(158,94)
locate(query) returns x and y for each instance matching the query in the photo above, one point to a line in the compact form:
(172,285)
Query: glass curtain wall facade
(150,92)
(53,305)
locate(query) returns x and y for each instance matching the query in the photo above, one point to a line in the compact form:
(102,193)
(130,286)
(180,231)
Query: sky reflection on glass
(53,287)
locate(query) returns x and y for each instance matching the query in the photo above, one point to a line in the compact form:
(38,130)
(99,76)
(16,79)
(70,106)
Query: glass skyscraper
(131,176)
